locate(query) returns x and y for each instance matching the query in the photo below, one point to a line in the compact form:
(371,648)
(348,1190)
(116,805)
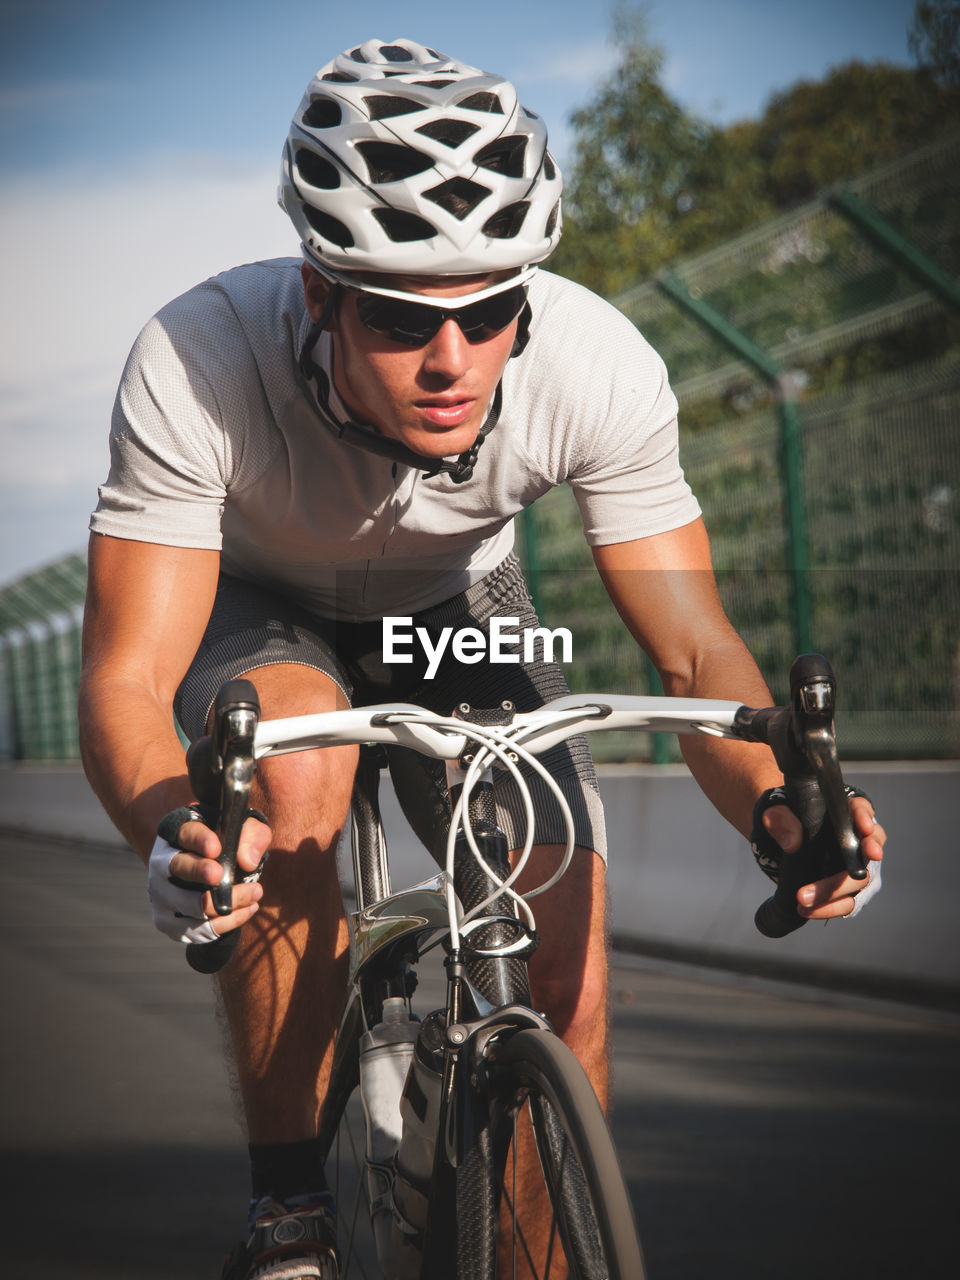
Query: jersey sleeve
(172,451)
(612,409)
(631,484)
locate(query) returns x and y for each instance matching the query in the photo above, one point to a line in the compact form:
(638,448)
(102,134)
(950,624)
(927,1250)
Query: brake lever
(803,742)
(233,742)
(224,765)
(816,699)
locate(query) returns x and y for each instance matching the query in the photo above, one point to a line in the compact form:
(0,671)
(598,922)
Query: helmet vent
(340,77)
(402,227)
(450,132)
(322,113)
(504,155)
(384,105)
(552,220)
(356,55)
(506,223)
(549,168)
(488,102)
(316,170)
(395,53)
(388,162)
(434,84)
(331,229)
(459,196)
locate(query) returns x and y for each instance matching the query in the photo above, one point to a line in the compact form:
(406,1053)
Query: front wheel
(540,1193)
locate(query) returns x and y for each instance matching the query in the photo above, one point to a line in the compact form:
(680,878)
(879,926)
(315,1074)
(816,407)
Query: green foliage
(651,183)
(858,117)
(637,195)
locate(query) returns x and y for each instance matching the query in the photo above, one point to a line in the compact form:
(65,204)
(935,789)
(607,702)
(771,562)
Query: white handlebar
(444,738)
(527,735)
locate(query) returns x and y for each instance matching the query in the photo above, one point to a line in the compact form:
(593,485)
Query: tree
(858,117)
(652,183)
(935,38)
(640,173)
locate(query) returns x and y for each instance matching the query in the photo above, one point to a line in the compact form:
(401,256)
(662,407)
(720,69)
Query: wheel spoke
(350,1185)
(518,1237)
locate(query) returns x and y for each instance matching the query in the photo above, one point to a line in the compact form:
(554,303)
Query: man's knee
(574,995)
(569,970)
(306,794)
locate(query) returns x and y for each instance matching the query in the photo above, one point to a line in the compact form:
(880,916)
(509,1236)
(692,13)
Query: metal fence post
(897,246)
(660,752)
(791,461)
(791,444)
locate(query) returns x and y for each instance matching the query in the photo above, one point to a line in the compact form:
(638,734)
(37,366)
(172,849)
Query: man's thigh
(251,632)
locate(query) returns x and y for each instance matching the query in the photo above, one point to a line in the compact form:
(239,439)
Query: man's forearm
(132,757)
(731,774)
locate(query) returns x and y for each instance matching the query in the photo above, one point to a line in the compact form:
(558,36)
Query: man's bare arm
(147,606)
(665,591)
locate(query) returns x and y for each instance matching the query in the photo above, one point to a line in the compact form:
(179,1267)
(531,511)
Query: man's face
(433,398)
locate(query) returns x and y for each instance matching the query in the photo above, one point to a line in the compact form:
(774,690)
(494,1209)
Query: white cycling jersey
(218,441)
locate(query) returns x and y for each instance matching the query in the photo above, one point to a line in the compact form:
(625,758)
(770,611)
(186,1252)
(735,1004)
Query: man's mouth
(445,412)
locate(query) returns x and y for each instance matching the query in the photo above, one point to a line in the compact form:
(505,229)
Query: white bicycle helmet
(400,159)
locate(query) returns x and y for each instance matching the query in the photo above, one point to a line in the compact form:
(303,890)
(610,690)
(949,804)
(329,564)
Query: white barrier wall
(681,881)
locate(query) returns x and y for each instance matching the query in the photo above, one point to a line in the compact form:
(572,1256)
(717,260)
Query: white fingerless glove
(863,896)
(177,903)
(177,911)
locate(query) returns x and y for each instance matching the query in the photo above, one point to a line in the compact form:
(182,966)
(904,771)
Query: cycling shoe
(286,1244)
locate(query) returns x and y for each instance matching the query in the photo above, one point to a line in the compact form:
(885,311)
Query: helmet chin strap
(458,469)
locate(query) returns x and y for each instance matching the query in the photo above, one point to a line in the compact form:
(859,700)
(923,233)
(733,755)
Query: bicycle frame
(389,936)
(392,931)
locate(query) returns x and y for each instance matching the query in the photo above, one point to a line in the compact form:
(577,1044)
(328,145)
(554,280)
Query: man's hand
(180,875)
(838,895)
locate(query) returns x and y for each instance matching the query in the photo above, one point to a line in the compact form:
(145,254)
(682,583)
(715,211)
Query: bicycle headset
(400,160)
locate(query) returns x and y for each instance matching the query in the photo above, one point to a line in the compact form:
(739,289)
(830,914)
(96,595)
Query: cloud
(84,268)
(580,64)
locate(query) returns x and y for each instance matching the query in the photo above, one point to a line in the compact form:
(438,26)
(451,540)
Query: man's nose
(447,355)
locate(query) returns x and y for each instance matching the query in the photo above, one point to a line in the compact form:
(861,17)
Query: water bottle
(420,1109)
(385,1053)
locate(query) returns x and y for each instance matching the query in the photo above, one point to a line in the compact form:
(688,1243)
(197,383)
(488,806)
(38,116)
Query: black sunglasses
(414,324)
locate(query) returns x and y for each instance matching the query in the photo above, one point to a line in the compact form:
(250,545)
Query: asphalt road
(766,1131)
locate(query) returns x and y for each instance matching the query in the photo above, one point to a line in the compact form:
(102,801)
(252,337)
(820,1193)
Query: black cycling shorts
(252,627)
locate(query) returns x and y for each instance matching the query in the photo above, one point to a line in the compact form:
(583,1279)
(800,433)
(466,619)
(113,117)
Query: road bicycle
(444,1097)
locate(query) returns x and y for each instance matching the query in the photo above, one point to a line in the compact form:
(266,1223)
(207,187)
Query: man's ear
(317,293)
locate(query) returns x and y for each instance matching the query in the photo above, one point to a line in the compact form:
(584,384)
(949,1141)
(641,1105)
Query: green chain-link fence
(882,496)
(40,662)
(817,364)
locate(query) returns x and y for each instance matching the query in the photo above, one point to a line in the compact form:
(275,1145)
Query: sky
(139,153)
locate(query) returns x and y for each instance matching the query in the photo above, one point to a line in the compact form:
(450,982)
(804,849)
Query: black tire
(592,1225)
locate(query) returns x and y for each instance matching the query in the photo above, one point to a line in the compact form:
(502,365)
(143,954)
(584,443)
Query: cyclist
(302,448)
